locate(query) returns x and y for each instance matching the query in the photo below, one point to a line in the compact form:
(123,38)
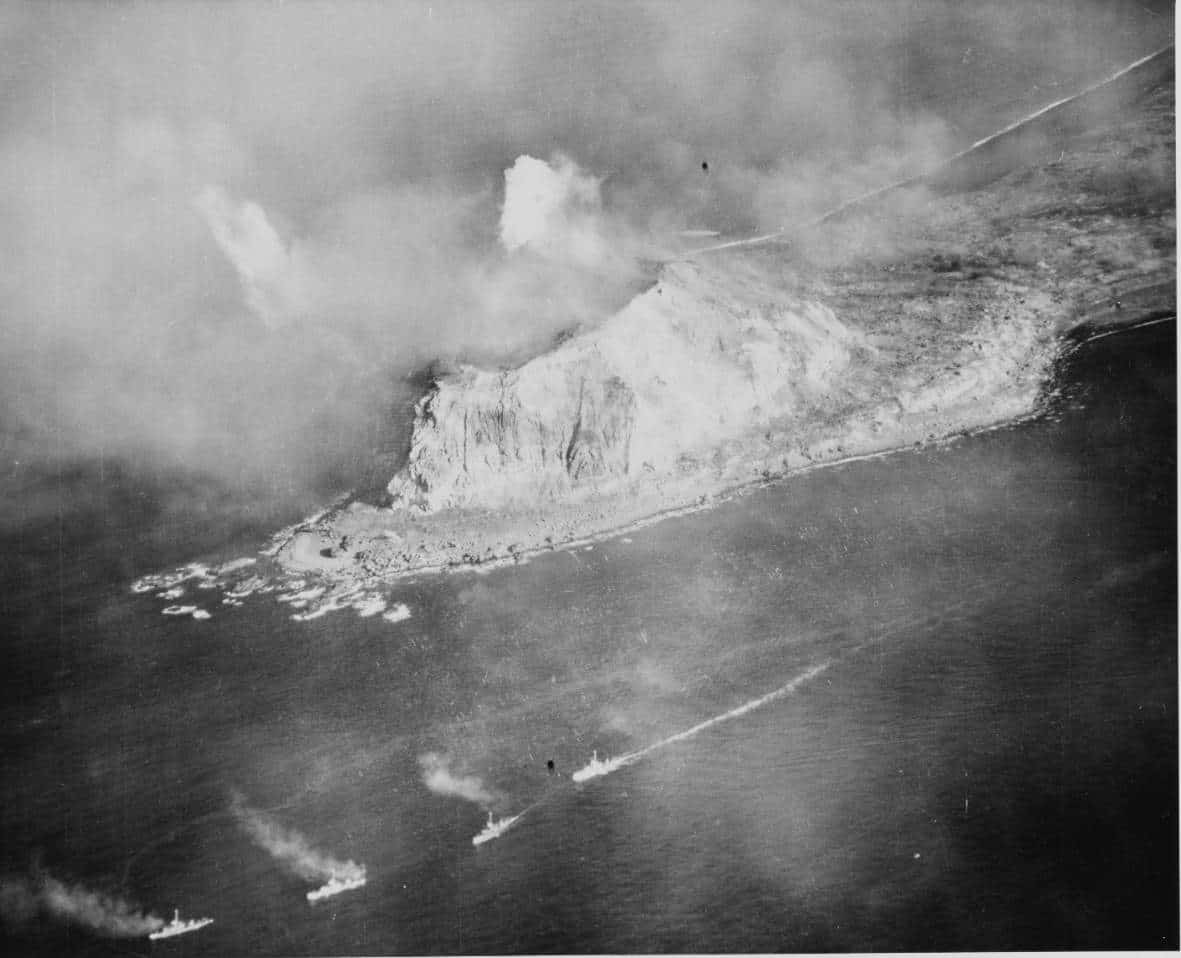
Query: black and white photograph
(525,477)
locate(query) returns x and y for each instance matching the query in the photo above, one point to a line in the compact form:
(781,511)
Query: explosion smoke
(181,181)
(554,209)
(277,283)
(439,778)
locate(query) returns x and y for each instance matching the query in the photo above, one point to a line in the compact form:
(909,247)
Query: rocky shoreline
(951,312)
(985,386)
(922,318)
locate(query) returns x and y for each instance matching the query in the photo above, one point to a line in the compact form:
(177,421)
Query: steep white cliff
(702,357)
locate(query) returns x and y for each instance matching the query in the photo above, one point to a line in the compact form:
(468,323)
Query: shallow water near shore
(989,761)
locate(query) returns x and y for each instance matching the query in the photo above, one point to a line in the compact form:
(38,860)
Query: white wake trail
(597,767)
(497,827)
(942,164)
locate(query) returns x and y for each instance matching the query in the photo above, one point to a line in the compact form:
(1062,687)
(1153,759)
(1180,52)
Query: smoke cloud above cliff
(555,210)
(231,230)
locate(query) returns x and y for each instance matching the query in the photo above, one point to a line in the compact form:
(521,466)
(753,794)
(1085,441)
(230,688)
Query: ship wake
(596,767)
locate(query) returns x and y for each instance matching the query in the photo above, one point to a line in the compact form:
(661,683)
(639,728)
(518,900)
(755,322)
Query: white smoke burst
(278,281)
(555,210)
(438,777)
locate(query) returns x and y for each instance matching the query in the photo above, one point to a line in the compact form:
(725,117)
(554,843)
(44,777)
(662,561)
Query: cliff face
(728,371)
(702,357)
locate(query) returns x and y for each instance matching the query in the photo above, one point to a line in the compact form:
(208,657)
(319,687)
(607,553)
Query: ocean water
(987,758)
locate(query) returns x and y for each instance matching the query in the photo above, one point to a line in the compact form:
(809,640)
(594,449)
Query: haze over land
(235,230)
(931,309)
(808,567)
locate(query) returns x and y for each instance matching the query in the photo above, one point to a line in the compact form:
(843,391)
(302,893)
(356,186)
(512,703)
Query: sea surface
(973,745)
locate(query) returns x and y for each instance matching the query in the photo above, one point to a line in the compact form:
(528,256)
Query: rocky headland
(929,311)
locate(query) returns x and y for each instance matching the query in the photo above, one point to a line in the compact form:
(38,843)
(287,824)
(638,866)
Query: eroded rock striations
(910,320)
(701,357)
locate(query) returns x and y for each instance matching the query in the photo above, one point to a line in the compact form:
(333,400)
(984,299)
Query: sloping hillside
(921,316)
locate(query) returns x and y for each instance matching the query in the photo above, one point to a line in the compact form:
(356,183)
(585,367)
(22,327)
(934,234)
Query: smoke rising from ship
(21,899)
(292,850)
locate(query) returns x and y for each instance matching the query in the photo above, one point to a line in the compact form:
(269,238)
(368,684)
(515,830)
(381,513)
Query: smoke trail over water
(21,899)
(291,849)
